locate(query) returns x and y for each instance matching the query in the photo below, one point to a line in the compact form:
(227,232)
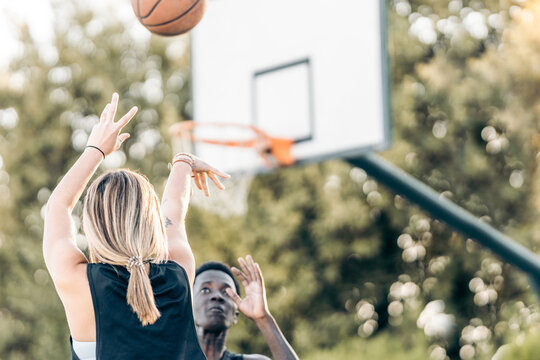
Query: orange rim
(262,143)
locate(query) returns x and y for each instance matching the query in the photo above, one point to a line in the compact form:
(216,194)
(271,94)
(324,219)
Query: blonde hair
(123,226)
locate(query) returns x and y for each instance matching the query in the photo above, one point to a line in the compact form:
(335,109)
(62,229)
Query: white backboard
(310,70)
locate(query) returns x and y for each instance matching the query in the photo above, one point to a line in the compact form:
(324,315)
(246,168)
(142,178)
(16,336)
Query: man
(216,301)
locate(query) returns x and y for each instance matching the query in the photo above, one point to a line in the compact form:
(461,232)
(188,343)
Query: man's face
(213,310)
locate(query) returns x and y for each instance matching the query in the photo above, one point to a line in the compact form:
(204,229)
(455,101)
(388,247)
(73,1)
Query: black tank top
(228,355)
(120,334)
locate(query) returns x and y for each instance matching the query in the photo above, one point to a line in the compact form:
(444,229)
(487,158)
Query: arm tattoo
(168,222)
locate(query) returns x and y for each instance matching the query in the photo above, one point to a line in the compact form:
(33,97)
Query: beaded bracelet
(187,155)
(184,161)
(182,157)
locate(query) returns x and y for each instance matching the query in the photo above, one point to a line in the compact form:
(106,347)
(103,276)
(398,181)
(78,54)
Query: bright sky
(39,16)
(39,20)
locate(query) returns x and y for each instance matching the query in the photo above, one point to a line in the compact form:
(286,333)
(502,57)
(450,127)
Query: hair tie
(134,261)
(98,149)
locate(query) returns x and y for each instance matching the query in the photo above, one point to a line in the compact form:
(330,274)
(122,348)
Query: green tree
(350,267)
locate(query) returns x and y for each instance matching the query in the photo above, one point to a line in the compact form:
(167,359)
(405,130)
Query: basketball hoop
(274,151)
(236,143)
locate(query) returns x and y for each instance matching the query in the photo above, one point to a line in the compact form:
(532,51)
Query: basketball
(169,17)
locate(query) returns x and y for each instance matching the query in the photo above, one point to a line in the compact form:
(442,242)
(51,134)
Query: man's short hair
(219,266)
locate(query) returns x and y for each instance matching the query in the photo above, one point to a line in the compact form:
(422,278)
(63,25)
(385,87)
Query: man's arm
(254,306)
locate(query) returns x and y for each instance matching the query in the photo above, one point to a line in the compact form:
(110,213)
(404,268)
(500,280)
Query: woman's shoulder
(172,264)
(159,273)
(165,264)
(158,270)
(167,267)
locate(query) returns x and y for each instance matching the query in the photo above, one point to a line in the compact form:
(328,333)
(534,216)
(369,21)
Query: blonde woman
(133,299)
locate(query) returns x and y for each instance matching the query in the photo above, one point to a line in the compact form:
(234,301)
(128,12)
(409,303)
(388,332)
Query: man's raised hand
(253,305)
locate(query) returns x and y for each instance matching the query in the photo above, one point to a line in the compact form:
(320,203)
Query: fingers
(120,140)
(239,274)
(104,113)
(201,182)
(109,112)
(197,180)
(126,118)
(123,137)
(258,273)
(243,265)
(216,181)
(201,166)
(254,268)
(202,171)
(251,270)
(113,107)
(247,269)
(234,296)
(219,173)
(205,184)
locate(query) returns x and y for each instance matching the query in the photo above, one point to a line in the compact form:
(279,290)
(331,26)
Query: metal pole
(445,210)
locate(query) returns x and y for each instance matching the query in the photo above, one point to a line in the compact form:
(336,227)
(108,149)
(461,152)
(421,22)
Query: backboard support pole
(455,216)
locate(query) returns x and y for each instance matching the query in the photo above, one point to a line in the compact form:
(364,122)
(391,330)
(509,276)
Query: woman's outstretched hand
(106,135)
(202,171)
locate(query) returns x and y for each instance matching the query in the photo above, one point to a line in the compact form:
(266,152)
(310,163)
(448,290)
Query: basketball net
(232,141)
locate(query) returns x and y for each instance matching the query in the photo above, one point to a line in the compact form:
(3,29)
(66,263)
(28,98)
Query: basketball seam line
(178,17)
(151,10)
(165,33)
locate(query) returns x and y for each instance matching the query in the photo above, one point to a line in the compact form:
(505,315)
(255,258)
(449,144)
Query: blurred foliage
(526,348)
(351,268)
(382,346)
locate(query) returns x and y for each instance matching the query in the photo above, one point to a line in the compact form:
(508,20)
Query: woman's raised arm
(59,249)
(175,201)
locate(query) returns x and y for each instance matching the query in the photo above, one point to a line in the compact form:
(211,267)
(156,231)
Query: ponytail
(122,222)
(139,293)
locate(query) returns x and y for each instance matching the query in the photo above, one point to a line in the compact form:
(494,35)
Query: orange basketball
(169,17)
